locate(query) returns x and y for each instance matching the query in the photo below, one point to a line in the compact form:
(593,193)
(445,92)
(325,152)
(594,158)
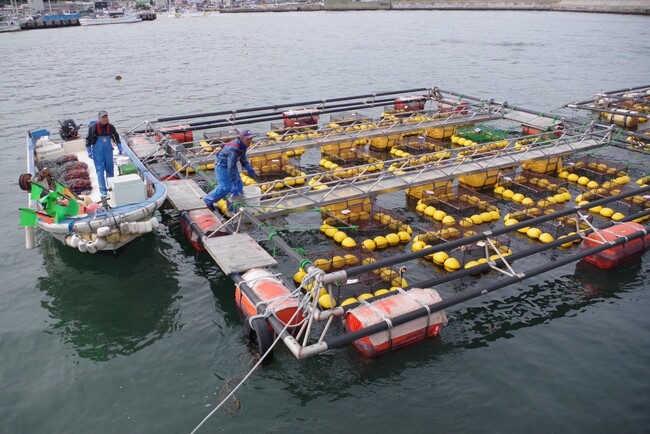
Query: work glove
(119,149)
(89,149)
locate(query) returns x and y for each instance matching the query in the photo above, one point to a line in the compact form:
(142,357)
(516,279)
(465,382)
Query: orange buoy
(399,303)
(272,292)
(621,253)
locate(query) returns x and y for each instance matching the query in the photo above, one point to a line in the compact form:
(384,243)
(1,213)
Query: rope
(246,377)
(313,275)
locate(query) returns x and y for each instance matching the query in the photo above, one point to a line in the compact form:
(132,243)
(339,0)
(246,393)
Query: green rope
(304,263)
(212,185)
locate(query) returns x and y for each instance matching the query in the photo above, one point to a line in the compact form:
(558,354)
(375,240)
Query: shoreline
(627,7)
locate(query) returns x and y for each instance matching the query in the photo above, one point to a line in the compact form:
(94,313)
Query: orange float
(402,335)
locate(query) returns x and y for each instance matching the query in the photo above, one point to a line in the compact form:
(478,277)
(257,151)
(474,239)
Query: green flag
(35,193)
(59,212)
(63,190)
(27,217)
(73,207)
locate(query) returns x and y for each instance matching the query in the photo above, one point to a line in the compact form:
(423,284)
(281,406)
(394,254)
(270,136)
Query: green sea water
(150,340)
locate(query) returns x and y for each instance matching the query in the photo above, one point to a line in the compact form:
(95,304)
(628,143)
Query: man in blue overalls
(226,170)
(100,148)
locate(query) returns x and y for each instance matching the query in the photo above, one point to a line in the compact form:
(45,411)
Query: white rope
(312,275)
(259,362)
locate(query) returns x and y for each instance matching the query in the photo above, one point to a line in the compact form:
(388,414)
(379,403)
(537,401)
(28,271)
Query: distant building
(35,6)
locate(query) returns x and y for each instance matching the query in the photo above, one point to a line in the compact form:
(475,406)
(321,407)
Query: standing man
(100,148)
(226,170)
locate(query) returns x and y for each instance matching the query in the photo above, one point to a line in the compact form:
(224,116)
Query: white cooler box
(126,189)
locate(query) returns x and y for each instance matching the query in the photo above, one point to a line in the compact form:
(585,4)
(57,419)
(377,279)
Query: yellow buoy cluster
(295,178)
(643,181)
(188,169)
(391,276)
(208,148)
(338,236)
(639,143)
(286,136)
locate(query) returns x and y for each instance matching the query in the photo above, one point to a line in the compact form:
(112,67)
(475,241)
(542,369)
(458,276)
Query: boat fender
(92,248)
(100,243)
(259,337)
(83,246)
(148,226)
(68,240)
(134,227)
(154,223)
(103,231)
(125,228)
(142,227)
(74,240)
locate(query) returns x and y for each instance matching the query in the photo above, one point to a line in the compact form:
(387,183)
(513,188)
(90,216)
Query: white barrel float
(366,315)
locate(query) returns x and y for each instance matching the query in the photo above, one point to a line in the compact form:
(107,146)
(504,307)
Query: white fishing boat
(9,26)
(187,13)
(64,196)
(101,20)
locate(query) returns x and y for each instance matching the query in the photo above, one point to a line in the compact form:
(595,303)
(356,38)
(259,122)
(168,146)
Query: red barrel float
(272,292)
(412,103)
(300,118)
(390,307)
(179,133)
(199,223)
(459,108)
(621,253)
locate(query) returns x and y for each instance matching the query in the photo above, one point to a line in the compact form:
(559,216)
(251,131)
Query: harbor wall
(637,7)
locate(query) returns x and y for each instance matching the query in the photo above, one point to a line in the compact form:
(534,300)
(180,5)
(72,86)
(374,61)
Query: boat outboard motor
(68,129)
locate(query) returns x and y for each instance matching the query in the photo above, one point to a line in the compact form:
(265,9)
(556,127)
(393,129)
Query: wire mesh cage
(381,279)
(481,134)
(365,217)
(594,168)
(532,184)
(458,200)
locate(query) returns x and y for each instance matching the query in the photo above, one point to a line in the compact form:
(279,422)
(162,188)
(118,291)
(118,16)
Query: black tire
(259,337)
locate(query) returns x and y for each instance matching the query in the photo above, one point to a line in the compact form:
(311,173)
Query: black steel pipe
(286,105)
(339,341)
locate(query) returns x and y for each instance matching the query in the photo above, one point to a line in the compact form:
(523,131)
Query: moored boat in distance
(65,201)
(10,25)
(110,19)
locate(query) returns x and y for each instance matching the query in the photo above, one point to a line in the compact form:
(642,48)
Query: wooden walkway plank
(237,253)
(185,194)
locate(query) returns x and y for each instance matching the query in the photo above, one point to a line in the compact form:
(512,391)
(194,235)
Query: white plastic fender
(135,229)
(154,223)
(92,248)
(103,231)
(148,227)
(125,228)
(100,243)
(83,246)
(74,240)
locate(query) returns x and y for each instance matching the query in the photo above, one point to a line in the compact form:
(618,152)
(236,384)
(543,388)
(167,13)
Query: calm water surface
(148,342)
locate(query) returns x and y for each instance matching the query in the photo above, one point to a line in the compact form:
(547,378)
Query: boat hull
(105,21)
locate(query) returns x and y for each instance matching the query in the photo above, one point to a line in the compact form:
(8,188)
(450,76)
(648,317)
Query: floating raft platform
(443,149)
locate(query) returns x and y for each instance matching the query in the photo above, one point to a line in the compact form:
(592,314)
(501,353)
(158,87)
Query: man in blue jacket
(226,170)
(100,148)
